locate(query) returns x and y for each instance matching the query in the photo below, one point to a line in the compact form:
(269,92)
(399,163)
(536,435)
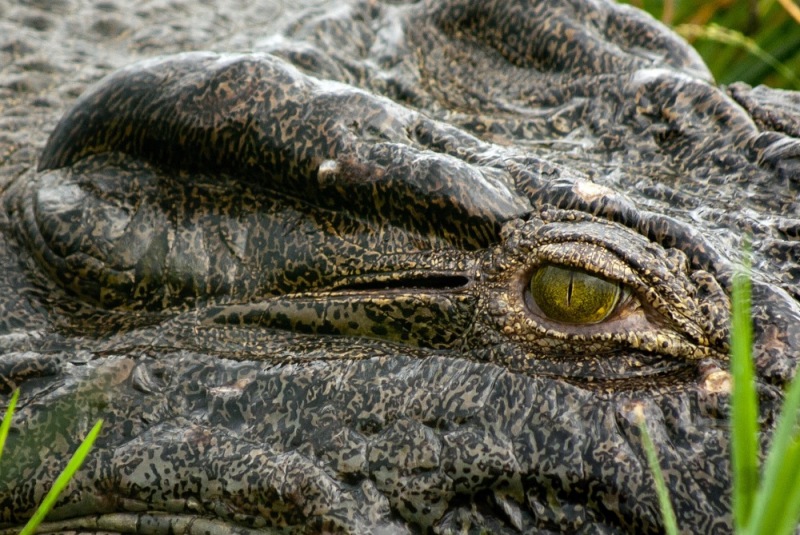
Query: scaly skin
(295,282)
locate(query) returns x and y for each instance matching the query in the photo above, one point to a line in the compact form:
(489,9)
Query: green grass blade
(788,516)
(6,425)
(755,43)
(744,406)
(667,513)
(63,480)
(777,507)
(717,33)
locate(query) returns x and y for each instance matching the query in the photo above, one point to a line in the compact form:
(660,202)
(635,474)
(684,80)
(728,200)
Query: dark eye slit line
(432,282)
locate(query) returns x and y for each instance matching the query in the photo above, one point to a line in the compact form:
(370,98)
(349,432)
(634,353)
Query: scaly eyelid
(590,258)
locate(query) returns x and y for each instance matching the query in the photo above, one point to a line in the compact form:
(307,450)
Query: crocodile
(399,267)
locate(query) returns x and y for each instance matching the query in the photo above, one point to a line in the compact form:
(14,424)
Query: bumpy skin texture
(294,283)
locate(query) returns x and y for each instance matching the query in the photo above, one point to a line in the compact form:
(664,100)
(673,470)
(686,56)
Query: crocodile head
(408,267)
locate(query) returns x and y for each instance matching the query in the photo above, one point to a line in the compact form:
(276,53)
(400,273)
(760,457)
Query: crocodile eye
(572,296)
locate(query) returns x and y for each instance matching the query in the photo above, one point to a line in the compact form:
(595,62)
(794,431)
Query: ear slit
(434,282)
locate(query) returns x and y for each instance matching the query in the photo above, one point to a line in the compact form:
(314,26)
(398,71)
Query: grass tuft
(6,425)
(744,404)
(752,41)
(667,512)
(726,36)
(63,478)
(770,506)
(776,507)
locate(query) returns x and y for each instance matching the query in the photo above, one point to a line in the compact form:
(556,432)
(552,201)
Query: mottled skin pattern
(294,282)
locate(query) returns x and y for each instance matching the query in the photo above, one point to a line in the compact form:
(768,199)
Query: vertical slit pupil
(569,289)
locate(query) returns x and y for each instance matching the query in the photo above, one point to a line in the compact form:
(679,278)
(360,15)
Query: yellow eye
(573,296)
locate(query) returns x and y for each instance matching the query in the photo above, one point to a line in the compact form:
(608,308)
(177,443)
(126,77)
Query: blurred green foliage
(753,41)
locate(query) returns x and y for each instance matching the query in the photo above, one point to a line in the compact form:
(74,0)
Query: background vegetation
(753,41)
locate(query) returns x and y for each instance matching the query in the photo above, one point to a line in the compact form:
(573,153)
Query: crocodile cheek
(421,319)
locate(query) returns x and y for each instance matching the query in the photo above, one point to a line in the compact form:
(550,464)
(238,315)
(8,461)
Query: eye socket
(572,296)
